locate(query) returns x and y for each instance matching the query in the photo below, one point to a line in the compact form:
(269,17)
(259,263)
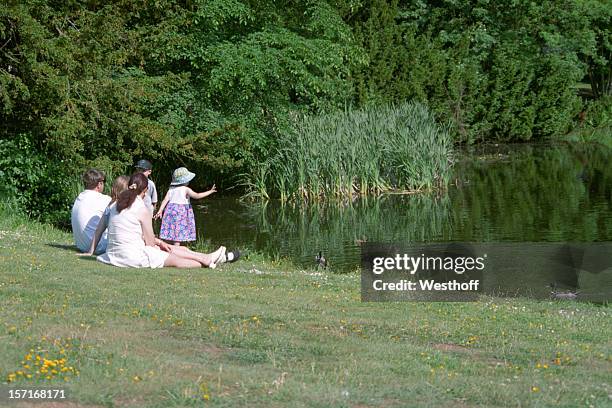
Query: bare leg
(180,262)
(204,259)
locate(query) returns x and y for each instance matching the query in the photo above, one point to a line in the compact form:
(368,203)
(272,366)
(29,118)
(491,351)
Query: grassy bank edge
(273,335)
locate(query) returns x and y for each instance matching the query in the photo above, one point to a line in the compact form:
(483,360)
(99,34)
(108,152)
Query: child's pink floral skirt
(178,223)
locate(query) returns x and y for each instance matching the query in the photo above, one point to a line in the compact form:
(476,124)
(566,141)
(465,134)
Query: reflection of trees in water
(537,194)
(337,229)
(559,193)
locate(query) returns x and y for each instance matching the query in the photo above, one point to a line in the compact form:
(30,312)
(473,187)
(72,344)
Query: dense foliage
(499,70)
(205,83)
(214,84)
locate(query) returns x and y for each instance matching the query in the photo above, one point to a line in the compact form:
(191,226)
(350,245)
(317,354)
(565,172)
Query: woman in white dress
(131,242)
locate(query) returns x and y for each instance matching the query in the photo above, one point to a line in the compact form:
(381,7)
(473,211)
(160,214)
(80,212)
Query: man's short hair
(92,177)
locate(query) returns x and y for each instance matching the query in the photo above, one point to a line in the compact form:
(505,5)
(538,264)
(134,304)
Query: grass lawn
(260,333)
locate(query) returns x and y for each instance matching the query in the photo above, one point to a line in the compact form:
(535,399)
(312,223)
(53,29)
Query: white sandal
(220,259)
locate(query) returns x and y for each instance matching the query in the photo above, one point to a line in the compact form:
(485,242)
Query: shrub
(40,186)
(20,170)
(599,113)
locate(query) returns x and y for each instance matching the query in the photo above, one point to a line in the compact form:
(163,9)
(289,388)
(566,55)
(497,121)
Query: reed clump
(394,148)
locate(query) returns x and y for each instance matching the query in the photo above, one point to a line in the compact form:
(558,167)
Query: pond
(499,193)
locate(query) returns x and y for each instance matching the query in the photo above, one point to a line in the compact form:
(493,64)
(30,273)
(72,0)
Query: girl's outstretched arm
(163,205)
(197,196)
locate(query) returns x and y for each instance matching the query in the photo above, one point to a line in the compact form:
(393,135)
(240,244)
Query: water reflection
(542,193)
(338,229)
(504,193)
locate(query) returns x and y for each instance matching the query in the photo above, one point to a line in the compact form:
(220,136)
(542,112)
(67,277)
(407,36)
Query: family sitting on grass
(120,227)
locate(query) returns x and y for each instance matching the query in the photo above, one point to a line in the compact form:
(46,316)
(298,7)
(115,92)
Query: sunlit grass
(263,333)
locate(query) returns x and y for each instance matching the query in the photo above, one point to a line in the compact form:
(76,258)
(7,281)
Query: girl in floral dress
(178,222)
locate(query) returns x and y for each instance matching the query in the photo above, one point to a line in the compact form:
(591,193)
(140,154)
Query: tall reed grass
(357,152)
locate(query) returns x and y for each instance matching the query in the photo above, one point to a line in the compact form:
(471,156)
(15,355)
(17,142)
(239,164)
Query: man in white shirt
(87,211)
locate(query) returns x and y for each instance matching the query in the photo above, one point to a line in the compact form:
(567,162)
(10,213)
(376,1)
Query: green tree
(206,84)
(502,71)
(599,55)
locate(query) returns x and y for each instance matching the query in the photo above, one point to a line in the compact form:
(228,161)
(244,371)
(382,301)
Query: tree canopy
(212,84)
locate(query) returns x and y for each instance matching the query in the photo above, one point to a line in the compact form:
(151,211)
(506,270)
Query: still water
(505,193)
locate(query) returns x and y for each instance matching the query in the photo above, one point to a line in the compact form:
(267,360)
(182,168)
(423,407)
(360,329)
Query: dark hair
(92,177)
(137,184)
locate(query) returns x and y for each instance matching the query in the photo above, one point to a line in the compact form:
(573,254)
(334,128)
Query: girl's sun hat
(181,176)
